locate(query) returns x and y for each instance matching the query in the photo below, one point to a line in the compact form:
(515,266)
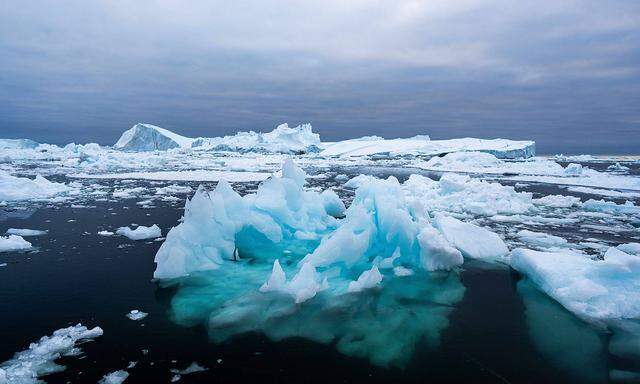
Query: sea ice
(136,315)
(473,241)
(592,289)
(39,359)
(13,243)
(26,232)
(540,239)
(21,188)
(141,232)
(116,377)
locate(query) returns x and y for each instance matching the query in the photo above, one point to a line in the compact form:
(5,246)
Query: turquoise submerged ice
(376,279)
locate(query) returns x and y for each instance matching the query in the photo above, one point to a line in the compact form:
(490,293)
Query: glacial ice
(13,243)
(39,359)
(141,232)
(471,240)
(592,289)
(17,144)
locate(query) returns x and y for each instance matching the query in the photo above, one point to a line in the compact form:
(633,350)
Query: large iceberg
(423,146)
(283,139)
(147,137)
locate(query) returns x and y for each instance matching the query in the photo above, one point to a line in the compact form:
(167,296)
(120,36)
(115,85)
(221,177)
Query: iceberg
(18,144)
(283,139)
(26,232)
(147,137)
(116,377)
(423,146)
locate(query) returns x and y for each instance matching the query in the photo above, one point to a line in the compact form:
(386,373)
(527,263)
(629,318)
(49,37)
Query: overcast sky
(564,73)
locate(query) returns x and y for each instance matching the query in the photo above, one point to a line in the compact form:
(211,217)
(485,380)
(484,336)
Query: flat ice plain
(367,247)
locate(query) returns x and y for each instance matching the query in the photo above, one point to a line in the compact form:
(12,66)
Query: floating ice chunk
(14,188)
(136,315)
(473,241)
(13,243)
(617,167)
(174,189)
(116,377)
(592,289)
(302,287)
(573,169)
(39,359)
(147,137)
(540,239)
(368,279)
(603,192)
(127,193)
(610,207)
(193,368)
(26,232)
(557,201)
(141,232)
(105,233)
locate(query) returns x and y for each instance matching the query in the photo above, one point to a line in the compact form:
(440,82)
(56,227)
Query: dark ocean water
(501,331)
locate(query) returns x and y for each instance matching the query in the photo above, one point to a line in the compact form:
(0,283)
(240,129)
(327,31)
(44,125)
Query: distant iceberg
(147,137)
(17,144)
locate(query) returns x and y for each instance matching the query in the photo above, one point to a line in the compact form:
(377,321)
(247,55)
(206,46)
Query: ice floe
(141,232)
(39,359)
(13,243)
(26,232)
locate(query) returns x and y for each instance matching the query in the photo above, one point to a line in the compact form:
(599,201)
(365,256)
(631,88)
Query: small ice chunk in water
(26,232)
(13,243)
(136,315)
(117,377)
(39,359)
(140,233)
(368,279)
(541,239)
(193,368)
(105,233)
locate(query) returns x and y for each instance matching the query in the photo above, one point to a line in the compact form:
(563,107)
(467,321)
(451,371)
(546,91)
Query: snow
(26,232)
(423,146)
(116,377)
(13,243)
(136,315)
(147,137)
(140,233)
(14,188)
(592,289)
(471,240)
(39,359)
(195,175)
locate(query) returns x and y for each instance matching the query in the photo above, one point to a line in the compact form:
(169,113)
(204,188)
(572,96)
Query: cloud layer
(547,70)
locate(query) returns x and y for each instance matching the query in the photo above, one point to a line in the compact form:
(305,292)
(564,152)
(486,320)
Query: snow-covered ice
(141,232)
(39,359)
(13,243)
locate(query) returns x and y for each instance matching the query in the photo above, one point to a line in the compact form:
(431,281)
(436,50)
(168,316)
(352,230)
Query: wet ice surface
(484,323)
